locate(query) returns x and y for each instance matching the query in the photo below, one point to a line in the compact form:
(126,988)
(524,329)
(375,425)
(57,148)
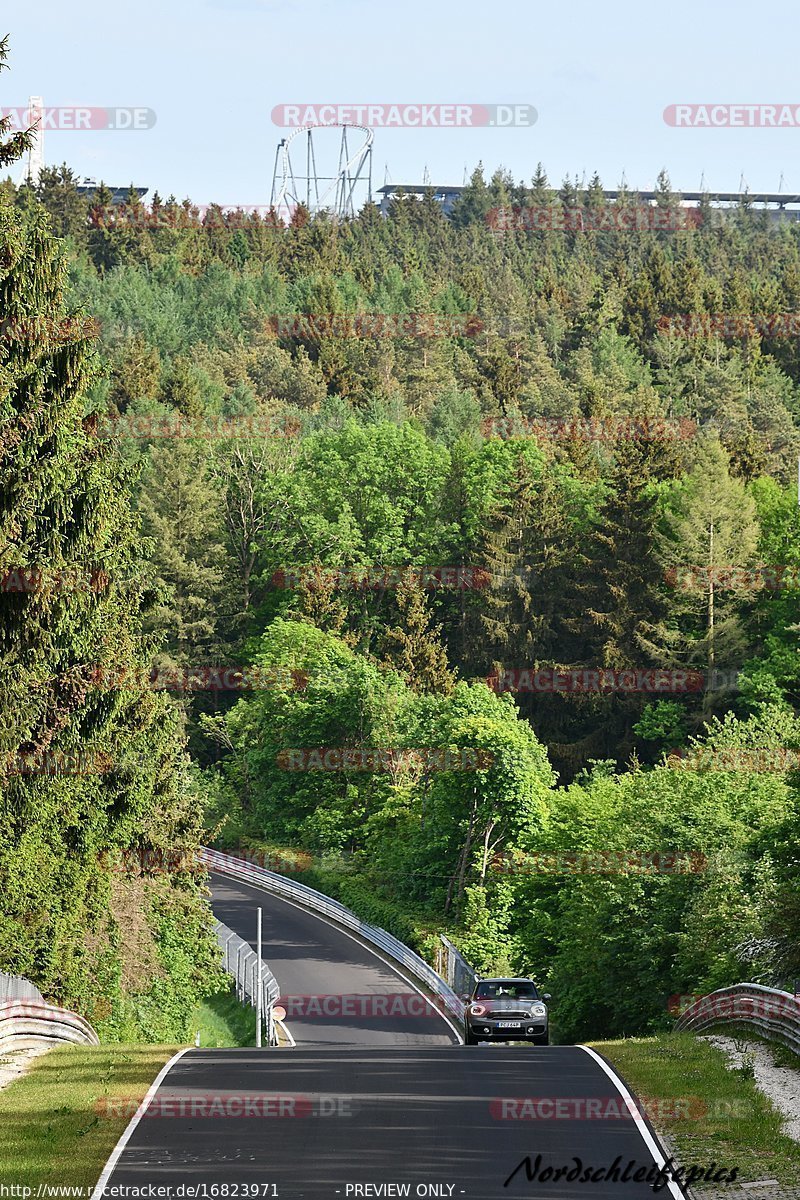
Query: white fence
(23,1023)
(227,864)
(250,974)
(772,1013)
(15,987)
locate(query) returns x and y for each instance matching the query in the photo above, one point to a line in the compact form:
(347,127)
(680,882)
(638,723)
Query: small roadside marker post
(260,988)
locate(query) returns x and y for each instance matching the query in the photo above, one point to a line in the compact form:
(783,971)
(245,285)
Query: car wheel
(542,1040)
(470,1039)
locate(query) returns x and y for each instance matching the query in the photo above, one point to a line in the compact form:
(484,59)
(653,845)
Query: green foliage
(387,454)
(89,755)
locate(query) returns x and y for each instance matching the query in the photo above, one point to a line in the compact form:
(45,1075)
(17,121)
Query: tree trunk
(463,859)
(487,833)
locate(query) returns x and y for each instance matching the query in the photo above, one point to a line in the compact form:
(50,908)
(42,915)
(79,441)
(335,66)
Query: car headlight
(538,1010)
(477,1010)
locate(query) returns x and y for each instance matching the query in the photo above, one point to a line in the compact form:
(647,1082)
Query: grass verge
(61,1120)
(709,1112)
(222,1021)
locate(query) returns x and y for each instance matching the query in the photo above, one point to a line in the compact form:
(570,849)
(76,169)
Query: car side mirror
(547,996)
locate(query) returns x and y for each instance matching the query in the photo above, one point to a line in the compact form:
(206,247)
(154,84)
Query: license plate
(508,1024)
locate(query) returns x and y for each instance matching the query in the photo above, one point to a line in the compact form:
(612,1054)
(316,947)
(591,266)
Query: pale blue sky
(599,74)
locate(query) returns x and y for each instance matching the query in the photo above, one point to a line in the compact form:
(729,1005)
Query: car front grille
(511,1015)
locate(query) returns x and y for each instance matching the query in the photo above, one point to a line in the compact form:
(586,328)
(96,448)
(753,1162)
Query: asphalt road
(371,1103)
(321,1120)
(335,989)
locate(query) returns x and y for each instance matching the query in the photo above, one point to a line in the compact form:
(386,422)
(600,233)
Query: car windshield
(513,989)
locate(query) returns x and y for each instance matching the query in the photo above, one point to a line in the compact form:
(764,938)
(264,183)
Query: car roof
(506,979)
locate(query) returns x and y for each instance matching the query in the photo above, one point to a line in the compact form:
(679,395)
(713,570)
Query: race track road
(374,1104)
(336,990)
(322,1120)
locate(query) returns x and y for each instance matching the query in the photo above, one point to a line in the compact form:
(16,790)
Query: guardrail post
(260,996)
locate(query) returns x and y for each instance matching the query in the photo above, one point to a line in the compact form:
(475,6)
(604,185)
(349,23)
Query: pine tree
(509,619)
(413,647)
(615,608)
(182,512)
(88,752)
(711,539)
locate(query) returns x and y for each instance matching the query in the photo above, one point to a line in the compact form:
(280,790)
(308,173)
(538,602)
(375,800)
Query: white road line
(636,1115)
(364,945)
(134,1121)
(287,1032)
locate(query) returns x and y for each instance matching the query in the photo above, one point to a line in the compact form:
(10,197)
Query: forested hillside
(94,787)
(546,518)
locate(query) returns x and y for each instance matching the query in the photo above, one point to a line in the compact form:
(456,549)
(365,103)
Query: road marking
(134,1121)
(364,945)
(636,1115)
(287,1032)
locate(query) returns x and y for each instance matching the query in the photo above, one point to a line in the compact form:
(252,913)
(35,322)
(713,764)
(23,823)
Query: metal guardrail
(773,1014)
(308,897)
(250,973)
(21,1023)
(454,968)
(16,987)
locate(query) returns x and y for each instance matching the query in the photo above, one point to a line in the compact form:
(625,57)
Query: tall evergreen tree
(413,646)
(88,753)
(711,540)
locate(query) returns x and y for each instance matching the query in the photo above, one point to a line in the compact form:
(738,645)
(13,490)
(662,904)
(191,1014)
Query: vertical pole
(259,1000)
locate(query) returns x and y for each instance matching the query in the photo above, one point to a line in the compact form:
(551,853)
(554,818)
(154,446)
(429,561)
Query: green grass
(60,1121)
(710,1113)
(223,1021)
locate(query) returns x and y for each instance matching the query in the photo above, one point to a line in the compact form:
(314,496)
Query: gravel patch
(780,1084)
(14,1063)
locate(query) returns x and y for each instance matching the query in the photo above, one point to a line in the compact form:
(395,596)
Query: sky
(599,75)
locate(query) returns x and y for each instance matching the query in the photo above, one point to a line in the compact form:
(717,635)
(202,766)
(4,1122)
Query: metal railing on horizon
(317,902)
(773,1014)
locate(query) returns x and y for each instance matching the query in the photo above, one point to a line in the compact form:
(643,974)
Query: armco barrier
(242,963)
(22,1023)
(227,864)
(773,1014)
(454,968)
